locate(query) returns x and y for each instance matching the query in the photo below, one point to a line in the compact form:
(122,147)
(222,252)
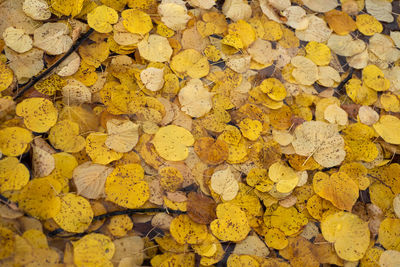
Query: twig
(345,80)
(115,213)
(52,67)
(8,203)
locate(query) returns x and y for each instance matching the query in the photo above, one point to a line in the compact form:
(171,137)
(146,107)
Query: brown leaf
(200,208)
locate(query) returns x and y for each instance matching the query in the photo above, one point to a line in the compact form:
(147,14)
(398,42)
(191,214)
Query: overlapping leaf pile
(273,125)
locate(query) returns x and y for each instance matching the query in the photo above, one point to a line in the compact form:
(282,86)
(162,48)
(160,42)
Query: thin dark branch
(115,213)
(345,80)
(8,203)
(55,65)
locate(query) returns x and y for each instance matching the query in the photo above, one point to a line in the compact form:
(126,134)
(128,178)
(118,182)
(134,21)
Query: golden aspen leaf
(389,233)
(130,193)
(319,53)
(360,93)
(75,214)
(349,233)
(212,53)
(101,18)
(64,165)
(67,7)
(13,174)
(195,99)
(50,85)
(211,151)
(241,260)
(339,189)
(390,102)
(93,250)
(35,238)
(65,136)
(320,140)
(289,39)
(90,178)
(224,183)
(208,247)
(274,89)
(251,129)
(122,135)
(173,15)
(368,25)
(164,31)
(288,220)
(387,127)
(358,173)
(6,76)
(171,142)
(155,48)
(371,257)
(276,239)
(259,179)
(231,135)
(98,151)
(340,22)
(231,225)
(285,177)
(136,21)
(171,178)
(95,53)
(7,242)
(272,31)
(374,78)
(120,225)
(186,231)
(39,198)
(174,205)
(39,114)
(190,63)
(86,74)
(14,140)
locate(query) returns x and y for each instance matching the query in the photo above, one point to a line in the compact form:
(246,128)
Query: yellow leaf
(13,174)
(368,25)
(130,193)
(65,136)
(186,231)
(349,233)
(288,220)
(374,78)
(171,142)
(136,21)
(190,63)
(75,214)
(39,114)
(274,89)
(6,76)
(101,18)
(6,242)
(14,140)
(285,177)
(251,129)
(67,7)
(319,53)
(93,250)
(119,225)
(387,127)
(389,233)
(231,225)
(339,188)
(98,151)
(39,198)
